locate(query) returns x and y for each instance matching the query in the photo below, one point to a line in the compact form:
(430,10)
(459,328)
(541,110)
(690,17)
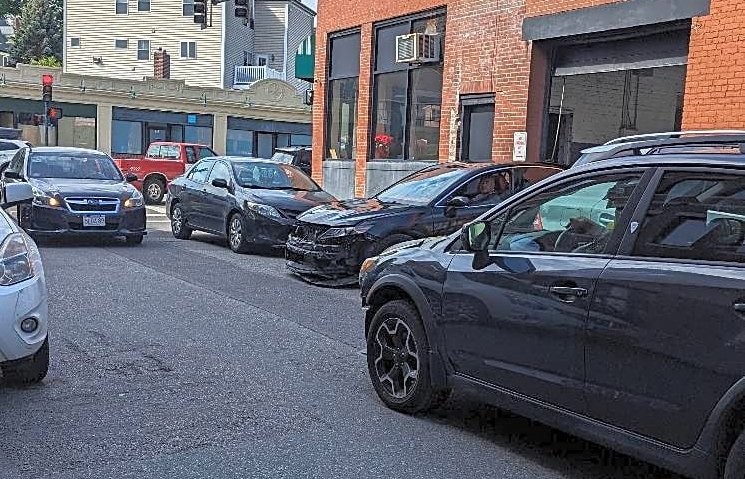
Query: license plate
(94,221)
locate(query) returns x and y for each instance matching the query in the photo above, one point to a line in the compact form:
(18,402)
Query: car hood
(352,212)
(68,187)
(289,201)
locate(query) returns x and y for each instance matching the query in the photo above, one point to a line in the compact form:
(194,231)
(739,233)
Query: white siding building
(119,38)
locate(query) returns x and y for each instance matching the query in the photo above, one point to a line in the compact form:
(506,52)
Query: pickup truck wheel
(179,228)
(735,466)
(237,234)
(30,370)
(154,190)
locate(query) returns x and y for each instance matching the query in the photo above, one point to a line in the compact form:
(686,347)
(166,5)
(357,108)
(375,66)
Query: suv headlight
(43,199)
(19,260)
(361,228)
(134,201)
(264,210)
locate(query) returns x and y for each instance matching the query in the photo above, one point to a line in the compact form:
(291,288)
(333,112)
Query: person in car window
(492,189)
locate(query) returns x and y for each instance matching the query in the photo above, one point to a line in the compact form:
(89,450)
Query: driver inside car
(491,189)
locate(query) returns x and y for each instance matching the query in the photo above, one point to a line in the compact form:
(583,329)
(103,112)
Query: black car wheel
(398,359)
(135,240)
(154,190)
(237,234)
(735,466)
(179,228)
(30,370)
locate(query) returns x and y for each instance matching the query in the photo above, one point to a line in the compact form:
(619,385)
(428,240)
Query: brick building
(554,75)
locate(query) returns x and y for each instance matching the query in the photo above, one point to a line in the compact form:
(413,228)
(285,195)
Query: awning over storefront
(305,59)
(19,105)
(652,51)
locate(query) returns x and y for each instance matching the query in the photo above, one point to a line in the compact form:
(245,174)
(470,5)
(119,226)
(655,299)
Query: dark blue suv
(608,301)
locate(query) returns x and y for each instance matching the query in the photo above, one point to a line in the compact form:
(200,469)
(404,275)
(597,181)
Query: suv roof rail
(675,134)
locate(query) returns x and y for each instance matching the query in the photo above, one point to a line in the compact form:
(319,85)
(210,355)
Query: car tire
(154,191)
(31,370)
(135,240)
(179,227)
(237,240)
(398,359)
(387,242)
(735,466)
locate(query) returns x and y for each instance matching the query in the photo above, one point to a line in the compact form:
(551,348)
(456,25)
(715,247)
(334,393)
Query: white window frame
(72,41)
(265,57)
(184,3)
(142,50)
(188,55)
(126,43)
(149,6)
(121,2)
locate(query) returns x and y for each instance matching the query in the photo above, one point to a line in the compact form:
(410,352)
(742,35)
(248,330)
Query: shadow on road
(541,444)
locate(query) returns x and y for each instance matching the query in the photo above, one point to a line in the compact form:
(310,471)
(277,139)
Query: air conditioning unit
(418,48)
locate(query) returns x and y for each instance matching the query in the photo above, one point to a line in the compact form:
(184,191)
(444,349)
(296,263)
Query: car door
(517,319)
(218,201)
(193,195)
(667,323)
(479,194)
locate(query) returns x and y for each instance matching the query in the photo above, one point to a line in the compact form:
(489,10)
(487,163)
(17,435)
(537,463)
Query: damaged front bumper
(335,264)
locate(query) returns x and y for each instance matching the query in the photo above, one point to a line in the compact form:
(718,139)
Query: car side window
(696,216)
(528,176)
(205,152)
(169,152)
(191,155)
(220,171)
(575,218)
(200,172)
(153,151)
(16,163)
(487,189)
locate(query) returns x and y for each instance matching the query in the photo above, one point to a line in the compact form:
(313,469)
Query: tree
(40,32)
(10,7)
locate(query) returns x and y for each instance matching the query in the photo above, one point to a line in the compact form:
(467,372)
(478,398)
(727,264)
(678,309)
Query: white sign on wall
(520,146)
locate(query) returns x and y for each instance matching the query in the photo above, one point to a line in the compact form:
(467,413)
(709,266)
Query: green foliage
(10,7)
(40,33)
(48,61)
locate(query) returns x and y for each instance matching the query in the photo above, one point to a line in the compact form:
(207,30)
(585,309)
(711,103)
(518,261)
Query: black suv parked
(330,242)
(608,301)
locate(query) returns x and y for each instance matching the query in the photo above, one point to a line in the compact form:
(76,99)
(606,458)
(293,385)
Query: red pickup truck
(163,162)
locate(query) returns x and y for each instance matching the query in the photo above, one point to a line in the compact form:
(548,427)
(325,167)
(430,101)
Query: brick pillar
(363,109)
(161,65)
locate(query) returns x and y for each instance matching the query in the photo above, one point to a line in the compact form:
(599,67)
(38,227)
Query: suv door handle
(567,294)
(739,307)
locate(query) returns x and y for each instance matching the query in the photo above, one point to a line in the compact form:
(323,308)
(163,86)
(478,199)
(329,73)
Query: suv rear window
(696,216)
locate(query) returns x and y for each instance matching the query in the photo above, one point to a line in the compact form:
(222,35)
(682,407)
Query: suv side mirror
(17,193)
(130,177)
(220,183)
(475,236)
(13,175)
(454,203)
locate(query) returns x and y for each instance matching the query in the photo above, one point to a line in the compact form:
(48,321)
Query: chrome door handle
(567,293)
(739,307)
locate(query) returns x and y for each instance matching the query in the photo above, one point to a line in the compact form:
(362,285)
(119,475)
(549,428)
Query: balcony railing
(247,76)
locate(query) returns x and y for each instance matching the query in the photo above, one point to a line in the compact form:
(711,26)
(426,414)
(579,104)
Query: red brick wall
(715,83)
(547,7)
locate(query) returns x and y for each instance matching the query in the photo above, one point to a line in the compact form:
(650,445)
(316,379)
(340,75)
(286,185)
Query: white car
(24,346)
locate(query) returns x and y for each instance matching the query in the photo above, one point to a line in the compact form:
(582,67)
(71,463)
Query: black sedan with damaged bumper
(251,202)
(330,242)
(77,192)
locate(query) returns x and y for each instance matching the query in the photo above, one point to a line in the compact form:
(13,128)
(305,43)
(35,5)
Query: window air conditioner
(418,48)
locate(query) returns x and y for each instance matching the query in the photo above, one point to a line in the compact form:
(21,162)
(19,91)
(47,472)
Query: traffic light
(200,12)
(54,114)
(46,82)
(241,9)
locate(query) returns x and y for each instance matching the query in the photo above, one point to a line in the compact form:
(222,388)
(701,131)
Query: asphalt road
(183,360)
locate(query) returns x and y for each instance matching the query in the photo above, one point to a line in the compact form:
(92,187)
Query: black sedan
(251,202)
(77,192)
(331,242)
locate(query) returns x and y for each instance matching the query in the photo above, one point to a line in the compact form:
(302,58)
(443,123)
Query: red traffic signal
(47,80)
(54,113)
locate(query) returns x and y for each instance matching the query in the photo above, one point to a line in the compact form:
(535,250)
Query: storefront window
(265,144)
(301,140)
(240,143)
(198,134)
(126,137)
(342,96)
(407,97)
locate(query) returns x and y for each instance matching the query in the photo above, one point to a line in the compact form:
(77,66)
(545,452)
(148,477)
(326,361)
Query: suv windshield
(273,176)
(422,188)
(283,157)
(79,166)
